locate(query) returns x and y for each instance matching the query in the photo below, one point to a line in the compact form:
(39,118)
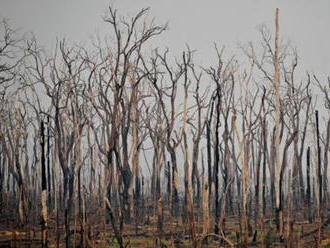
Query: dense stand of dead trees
(94,136)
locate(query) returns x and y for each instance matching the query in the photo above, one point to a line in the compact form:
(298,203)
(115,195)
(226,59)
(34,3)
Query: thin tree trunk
(48,163)
(43,187)
(216,163)
(279,211)
(245,176)
(188,172)
(290,220)
(319,169)
(175,184)
(169,188)
(308,182)
(209,161)
(206,214)
(325,166)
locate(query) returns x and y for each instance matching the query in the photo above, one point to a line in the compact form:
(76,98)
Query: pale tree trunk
(18,164)
(260,206)
(188,172)
(325,166)
(169,187)
(262,184)
(245,188)
(175,184)
(57,194)
(82,213)
(206,216)
(158,197)
(135,157)
(2,177)
(228,176)
(159,204)
(290,220)
(78,166)
(209,160)
(279,211)
(188,188)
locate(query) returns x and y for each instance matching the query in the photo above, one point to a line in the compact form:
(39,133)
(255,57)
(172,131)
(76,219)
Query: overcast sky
(199,23)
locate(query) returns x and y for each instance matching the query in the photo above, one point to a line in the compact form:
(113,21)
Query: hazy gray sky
(196,22)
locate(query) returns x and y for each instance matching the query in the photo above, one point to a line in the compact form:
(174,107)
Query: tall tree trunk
(206,211)
(188,172)
(319,168)
(126,176)
(195,174)
(279,211)
(69,178)
(175,184)
(308,182)
(158,198)
(209,160)
(325,166)
(43,187)
(82,214)
(169,188)
(48,164)
(216,163)
(135,157)
(245,176)
(261,197)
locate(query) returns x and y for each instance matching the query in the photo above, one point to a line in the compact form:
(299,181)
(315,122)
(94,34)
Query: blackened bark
(175,193)
(69,178)
(43,164)
(319,157)
(169,191)
(43,186)
(48,162)
(308,181)
(264,172)
(216,164)
(209,160)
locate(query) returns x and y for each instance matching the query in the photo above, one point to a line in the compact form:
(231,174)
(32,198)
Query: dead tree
(171,138)
(298,100)
(188,171)
(123,61)
(198,128)
(319,162)
(308,183)
(11,58)
(222,99)
(279,210)
(275,161)
(154,124)
(325,91)
(206,211)
(64,89)
(250,121)
(11,138)
(44,211)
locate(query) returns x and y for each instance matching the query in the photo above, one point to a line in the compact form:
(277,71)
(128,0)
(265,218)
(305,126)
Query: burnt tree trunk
(308,182)
(48,164)
(319,169)
(216,163)
(209,162)
(44,222)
